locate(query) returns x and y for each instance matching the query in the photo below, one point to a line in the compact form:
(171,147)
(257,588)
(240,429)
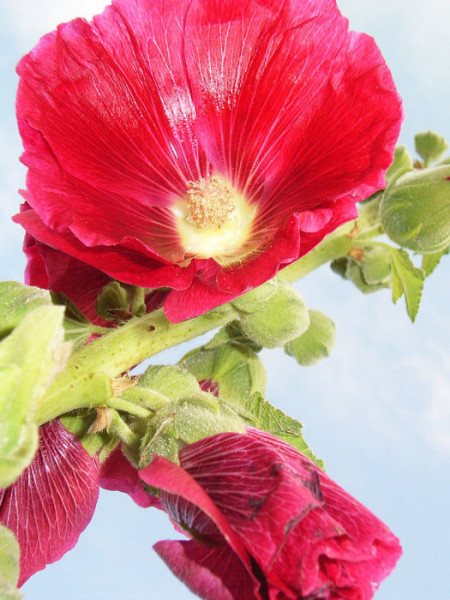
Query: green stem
(86,380)
(129,407)
(121,429)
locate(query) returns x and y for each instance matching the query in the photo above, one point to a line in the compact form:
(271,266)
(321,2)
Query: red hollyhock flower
(201,145)
(53,500)
(267,524)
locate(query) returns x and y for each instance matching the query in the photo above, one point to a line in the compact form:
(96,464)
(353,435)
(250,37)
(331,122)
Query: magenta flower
(53,500)
(267,524)
(201,145)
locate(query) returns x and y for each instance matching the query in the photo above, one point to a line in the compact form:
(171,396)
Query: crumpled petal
(53,500)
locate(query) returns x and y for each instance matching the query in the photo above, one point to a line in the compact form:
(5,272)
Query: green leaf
(9,565)
(77,333)
(275,421)
(430,146)
(431,261)
(406,279)
(17,300)
(30,358)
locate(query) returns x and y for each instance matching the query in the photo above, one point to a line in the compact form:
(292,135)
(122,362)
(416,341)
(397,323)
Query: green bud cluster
(182,413)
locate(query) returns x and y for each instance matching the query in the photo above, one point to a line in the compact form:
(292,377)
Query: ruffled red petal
(52,501)
(212,572)
(119,262)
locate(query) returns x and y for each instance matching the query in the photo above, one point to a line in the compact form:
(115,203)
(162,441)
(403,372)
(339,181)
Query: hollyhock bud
(415,210)
(281,318)
(265,522)
(198,146)
(430,146)
(315,343)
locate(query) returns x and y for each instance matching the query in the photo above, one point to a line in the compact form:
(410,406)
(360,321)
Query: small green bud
(111,299)
(169,380)
(256,298)
(430,146)
(339,266)
(315,343)
(283,317)
(186,421)
(402,162)
(415,210)
(354,273)
(376,265)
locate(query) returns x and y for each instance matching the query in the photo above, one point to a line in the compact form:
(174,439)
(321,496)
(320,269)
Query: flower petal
(52,501)
(99,88)
(173,480)
(212,572)
(118,474)
(290,106)
(121,115)
(126,265)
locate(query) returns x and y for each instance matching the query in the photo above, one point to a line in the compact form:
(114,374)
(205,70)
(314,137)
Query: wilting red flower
(52,501)
(201,145)
(267,524)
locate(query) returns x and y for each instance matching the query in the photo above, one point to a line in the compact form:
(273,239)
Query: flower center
(214,220)
(211,203)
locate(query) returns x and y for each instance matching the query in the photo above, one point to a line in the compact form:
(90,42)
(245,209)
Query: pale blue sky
(377,411)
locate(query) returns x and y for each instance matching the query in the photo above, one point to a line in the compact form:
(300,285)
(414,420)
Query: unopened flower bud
(282,318)
(430,146)
(415,210)
(254,300)
(315,343)
(112,298)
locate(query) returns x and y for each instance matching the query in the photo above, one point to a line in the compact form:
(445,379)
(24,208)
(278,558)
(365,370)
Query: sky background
(377,411)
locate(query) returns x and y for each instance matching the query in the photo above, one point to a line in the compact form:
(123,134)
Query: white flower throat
(214,220)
